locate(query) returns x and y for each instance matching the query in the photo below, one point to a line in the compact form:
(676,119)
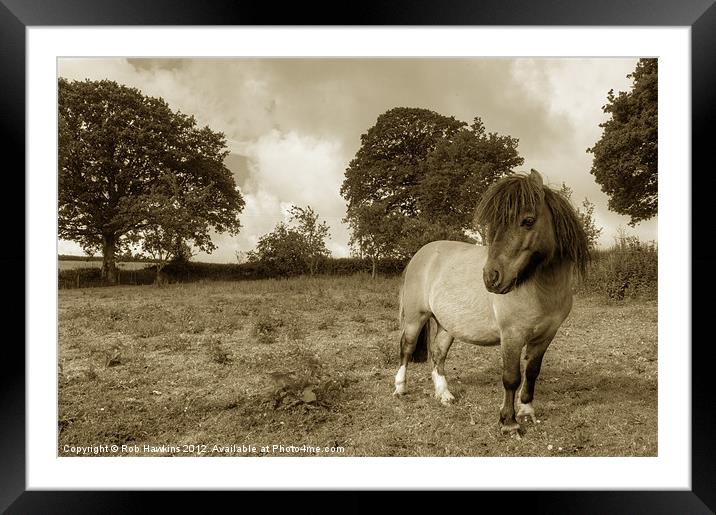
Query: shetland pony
(516,292)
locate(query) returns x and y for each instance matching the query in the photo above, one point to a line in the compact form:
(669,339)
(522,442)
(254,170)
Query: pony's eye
(528,222)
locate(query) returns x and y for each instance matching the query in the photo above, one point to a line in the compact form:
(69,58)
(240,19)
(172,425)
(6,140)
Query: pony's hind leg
(408,342)
(438,352)
(400,376)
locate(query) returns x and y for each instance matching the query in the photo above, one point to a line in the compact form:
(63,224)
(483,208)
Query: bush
(92,277)
(265,328)
(353,265)
(216,350)
(627,270)
(188,271)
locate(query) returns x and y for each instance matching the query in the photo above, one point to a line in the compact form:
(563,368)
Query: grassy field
(311,362)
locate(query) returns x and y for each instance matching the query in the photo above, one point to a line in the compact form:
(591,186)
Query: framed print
(273,182)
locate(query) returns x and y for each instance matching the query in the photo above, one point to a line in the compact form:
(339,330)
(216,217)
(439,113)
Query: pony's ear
(536,177)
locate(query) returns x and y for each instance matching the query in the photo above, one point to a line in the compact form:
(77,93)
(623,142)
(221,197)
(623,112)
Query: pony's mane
(504,202)
(572,244)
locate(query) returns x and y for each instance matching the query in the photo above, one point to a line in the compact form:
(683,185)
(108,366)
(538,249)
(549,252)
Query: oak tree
(418,176)
(626,157)
(388,164)
(132,172)
(459,171)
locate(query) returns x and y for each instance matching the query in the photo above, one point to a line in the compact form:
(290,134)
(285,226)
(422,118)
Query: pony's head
(527,225)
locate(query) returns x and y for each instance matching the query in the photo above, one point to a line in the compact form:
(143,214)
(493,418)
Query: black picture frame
(699,15)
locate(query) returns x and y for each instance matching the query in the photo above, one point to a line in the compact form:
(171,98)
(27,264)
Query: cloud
(284,170)
(291,169)
(299,169)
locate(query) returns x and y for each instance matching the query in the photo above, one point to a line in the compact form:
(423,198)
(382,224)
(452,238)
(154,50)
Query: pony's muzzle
(492,277)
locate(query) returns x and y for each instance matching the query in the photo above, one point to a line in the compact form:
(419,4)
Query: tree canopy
(132,172)
(626,157)
(313,235)
(280,251)
(459,171)
(387,167)
(418,176)
(293,249)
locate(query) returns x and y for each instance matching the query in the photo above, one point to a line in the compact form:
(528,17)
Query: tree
(314,235)
(293,250)
(387,166)
(373,233)
(417,232)
(458,172)
(280,251)
(626,157)
(133,172)
(418,175)
(164,244)
(377,235)
(586,217)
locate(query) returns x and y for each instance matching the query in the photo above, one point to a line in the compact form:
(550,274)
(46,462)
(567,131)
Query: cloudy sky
(293,125)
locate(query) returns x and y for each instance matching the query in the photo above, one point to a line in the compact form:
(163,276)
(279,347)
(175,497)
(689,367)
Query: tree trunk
(109,267)
(372,273)
(162,278)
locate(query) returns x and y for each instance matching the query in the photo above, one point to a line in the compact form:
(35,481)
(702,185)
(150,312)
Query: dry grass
(311,361)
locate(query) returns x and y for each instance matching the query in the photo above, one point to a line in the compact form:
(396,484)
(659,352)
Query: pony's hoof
(445,398)
(523,419)
(399,390)
(510,429)
(526,412)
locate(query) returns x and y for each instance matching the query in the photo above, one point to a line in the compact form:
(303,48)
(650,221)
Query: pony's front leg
(533,363)
(511,351)
(438,353)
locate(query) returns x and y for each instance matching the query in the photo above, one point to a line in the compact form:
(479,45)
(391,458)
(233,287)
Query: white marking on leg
(441,388)
(400,376)
(440,383)
(526,410)
(400,381)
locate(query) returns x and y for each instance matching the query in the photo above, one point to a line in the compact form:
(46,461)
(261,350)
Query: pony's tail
(420,354)
(401,320)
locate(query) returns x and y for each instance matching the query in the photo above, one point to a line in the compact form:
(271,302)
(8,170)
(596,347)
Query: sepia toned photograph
(357,257)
